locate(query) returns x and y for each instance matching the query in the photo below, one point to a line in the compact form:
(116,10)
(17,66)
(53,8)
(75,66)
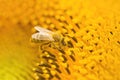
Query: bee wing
(40,29)
(42,36)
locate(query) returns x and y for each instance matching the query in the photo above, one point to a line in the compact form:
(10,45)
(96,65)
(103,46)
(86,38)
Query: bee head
(57,37)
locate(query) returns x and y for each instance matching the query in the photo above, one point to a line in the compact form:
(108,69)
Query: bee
(46,36)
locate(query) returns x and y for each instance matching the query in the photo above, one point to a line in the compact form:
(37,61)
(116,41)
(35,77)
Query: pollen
(88,51)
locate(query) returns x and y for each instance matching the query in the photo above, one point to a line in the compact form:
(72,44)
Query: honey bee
(46,36)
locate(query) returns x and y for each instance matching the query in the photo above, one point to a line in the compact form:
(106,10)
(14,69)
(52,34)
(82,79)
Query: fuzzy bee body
(46,37)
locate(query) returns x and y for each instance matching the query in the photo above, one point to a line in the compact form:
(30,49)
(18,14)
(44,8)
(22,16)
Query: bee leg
(62,42)
(42,46)
(60,46)
(52,45)
(57,45)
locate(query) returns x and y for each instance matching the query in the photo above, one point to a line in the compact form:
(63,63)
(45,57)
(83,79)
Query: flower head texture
(88,49)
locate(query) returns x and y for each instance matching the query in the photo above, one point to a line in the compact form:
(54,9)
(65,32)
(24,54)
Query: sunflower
(90,32)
